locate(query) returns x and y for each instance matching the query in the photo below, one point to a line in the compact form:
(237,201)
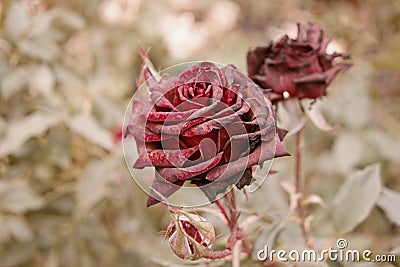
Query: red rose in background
(301,67)
(209,126)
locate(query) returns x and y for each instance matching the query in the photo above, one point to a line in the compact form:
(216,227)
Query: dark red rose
(301,67)
(208,126)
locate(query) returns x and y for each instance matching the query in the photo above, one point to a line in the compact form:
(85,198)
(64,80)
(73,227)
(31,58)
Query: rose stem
(214,255)
(234,246)
(298,185)
(223,211)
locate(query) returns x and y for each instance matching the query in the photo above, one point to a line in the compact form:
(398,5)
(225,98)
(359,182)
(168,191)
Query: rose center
(207,148)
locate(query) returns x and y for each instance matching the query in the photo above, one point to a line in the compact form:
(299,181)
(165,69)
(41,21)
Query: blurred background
(68,70)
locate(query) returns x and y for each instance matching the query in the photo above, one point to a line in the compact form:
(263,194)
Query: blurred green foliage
(68,70)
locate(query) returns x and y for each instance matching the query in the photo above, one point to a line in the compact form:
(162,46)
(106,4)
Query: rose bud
(190,236)
(209,126)
(297,67)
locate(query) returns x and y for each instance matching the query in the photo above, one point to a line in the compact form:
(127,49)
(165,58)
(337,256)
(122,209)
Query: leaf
(362,264)
(293,196)
(16,21)
(52,258)
(355,198)
(87,126)
(41,80)
(348,151)
(395,251)
(267,237)
(68,78)
(4,233)
(291,235)
(43,48)
(18,197)
(315,199)
(40,24)
(70,19)
(20,131)
(19,253)
(331,263)
(387,146)
(14,81)
(91,186)
(389,202)
(3,126)
(313,110)
(291,115)
(19,228)
(249,221)
(110,112)
(213,211)
(348,101)
(270,198)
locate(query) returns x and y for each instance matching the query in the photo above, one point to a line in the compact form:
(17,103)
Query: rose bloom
(296,67)
(209,126)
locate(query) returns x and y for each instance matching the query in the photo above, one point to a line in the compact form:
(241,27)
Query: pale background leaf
(389,202)
(21,130)
(355,198)
(88,127)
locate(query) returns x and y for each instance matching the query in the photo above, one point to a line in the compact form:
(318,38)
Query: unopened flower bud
(190,236)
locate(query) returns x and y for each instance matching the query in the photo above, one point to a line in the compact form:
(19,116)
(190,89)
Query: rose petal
(312,78)
(173,174)
(263,152)
(217,92)
(143,134)
(151,81)
(211,74)
(207,148)
(189,74)
(206,111)
(165,158)
(331,73)
(324,45)
(161,100)
(246,179)
(218,121)
(211,190)
(217,187)
(169,116)
(163,188)
(229,95)
(314,35)
(208,92)
(255,59)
